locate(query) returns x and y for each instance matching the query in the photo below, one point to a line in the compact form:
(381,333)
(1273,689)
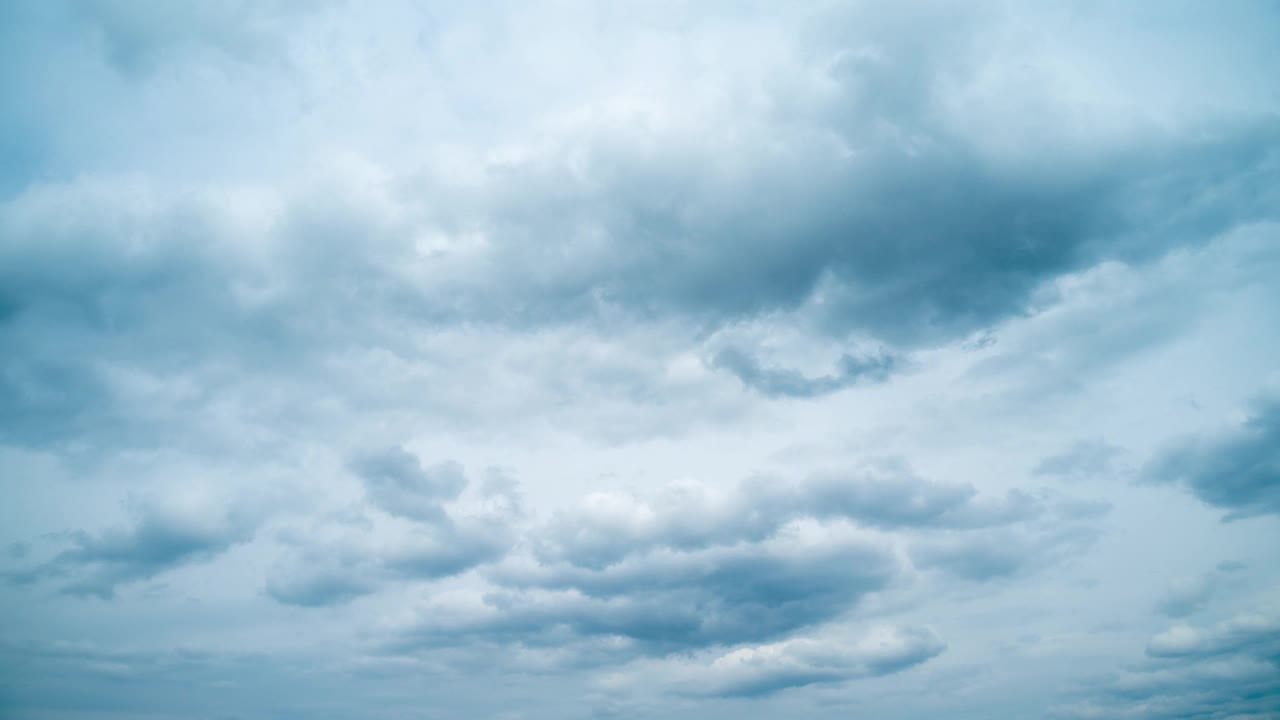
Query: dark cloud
(914,245)
(1231,670)
(778,382)
(1238,471)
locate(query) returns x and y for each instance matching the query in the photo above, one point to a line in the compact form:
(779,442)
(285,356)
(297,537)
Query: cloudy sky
(680,360)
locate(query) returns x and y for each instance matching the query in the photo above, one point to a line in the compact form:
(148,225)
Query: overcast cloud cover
(556,360)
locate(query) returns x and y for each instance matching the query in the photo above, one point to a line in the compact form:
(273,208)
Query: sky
(633,360)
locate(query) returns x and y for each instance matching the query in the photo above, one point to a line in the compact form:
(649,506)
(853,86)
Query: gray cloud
(397,483)
(606,528)
(1238,471)
(885,212)
(321,572)
(1189,595)
(882,214)
(686,568)
(894,497)
(1231,670)
(756,671)
(323,577)
(163,537)
(612,243)
(939,246)
(352,555)
(670,602)
(777,382)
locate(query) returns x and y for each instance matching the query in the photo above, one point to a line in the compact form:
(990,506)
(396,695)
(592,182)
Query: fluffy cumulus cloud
(680,359)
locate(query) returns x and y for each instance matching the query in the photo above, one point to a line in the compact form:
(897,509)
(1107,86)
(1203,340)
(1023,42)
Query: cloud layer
(682,359)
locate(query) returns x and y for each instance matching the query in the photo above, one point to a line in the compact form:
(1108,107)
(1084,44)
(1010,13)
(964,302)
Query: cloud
(609,245)
(1236,470)
(668,602)
(323,575)
(397,483)
(891,496)
(458,547)
(908,259)
(755,671)
(1189,595)
(686,568)
(1256,633)
(191,334)
(952,528)
(775,382)
(863,193)
(1116,314)
(428,536)
(137,38)
(1231,670)
(607,527)
(166,533)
